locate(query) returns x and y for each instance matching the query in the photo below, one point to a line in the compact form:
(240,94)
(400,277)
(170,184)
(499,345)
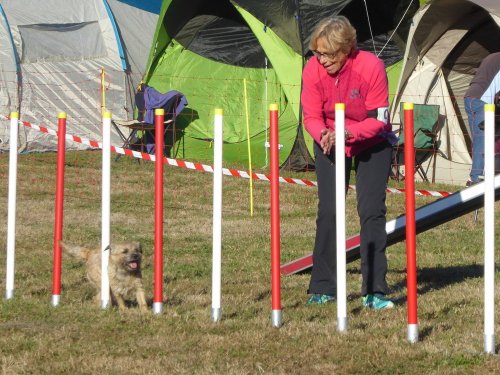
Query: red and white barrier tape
(207,168)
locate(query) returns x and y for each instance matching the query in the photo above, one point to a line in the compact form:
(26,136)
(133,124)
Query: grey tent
(54,55)
(446,43)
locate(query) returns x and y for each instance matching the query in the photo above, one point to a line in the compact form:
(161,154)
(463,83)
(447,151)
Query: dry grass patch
(78,338)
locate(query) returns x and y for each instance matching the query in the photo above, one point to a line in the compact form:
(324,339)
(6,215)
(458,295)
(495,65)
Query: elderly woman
(340,73)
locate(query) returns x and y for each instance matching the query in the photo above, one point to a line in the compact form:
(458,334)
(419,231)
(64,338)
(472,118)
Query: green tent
(243,55)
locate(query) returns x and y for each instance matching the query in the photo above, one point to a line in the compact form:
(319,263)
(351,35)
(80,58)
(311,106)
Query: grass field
(79,338)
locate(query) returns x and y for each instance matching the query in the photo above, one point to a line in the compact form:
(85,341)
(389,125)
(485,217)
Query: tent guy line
(203,167)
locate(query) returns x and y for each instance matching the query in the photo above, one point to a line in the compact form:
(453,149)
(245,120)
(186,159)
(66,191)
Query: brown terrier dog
(124,270)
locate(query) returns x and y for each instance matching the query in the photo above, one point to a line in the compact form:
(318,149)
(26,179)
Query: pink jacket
(362,85)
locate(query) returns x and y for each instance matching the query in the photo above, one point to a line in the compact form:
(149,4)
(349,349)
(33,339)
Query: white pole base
(105,304)
(413,333)
(216,314)
(157,308)
(342,324)
(9,294)
(276,318)
(56,299)
(489,344)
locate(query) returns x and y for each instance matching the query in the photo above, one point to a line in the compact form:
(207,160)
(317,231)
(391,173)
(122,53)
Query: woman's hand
(328,138)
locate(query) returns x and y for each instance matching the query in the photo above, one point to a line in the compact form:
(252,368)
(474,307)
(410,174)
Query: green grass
(79,338)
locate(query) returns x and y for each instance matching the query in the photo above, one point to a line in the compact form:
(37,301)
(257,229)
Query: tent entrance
(211,85)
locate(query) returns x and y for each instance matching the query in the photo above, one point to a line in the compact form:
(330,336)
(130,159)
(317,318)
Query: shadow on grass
(428,279)
(433,278)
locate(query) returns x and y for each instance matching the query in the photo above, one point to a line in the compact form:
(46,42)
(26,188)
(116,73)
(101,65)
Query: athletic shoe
(320,299)
(377,302)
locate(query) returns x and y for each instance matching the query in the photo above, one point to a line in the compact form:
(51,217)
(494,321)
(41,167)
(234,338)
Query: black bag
(497,120)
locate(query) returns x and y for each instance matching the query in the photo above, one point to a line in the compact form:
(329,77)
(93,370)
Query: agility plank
(427,217)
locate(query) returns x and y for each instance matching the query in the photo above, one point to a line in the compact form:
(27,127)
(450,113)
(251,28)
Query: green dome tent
(243,55)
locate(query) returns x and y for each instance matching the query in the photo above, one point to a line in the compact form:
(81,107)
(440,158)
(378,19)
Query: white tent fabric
(137,27)
(446,44)
(54,56)
(8,66)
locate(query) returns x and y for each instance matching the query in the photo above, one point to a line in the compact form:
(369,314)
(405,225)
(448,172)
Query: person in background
(340,73)
(483,89)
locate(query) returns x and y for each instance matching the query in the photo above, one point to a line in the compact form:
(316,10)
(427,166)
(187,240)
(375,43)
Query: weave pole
(58,222)
(158,251)
(489,228)
(276,317)
(340,194)
(11,215)
(411,233)
(106,209)
(103,92)
(217,218)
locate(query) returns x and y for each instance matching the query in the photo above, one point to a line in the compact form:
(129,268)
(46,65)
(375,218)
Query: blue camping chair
(141,131)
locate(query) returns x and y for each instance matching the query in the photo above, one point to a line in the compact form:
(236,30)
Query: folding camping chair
(141,132)
(426,143)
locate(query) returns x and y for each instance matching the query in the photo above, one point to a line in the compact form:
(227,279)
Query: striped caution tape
(206,168)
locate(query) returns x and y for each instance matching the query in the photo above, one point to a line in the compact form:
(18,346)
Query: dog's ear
(64,245)
(138,246)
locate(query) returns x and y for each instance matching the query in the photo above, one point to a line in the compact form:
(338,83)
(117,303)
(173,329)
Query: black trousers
(372,169)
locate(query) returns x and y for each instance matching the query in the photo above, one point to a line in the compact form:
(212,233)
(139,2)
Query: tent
(242,55)
(71,56)
(446,43)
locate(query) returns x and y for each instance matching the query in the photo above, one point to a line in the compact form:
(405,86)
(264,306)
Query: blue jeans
(475,114)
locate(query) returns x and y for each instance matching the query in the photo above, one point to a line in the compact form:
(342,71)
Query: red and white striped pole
(11,215)
(276,317)
(411,233)
(105,209)
(158,251)
(489,228)
(340,173)
(58,223)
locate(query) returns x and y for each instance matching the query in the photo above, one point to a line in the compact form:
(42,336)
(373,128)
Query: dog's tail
(76,251)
